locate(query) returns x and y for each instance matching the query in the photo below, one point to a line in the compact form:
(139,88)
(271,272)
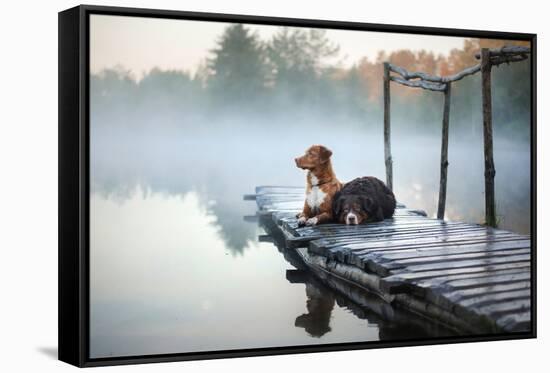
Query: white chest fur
(315,197)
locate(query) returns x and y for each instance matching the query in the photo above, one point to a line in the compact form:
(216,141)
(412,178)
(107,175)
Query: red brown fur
(321,185)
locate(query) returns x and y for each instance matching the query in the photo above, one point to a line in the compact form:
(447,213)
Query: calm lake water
(175,267)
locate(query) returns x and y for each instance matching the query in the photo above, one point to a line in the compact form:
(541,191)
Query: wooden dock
(469,277)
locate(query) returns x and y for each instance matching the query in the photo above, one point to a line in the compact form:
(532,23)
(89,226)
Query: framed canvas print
(239,185)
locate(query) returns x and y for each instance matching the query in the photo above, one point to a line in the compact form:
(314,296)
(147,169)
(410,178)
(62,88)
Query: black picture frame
(74,182)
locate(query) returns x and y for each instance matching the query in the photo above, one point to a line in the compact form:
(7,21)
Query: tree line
(296,74)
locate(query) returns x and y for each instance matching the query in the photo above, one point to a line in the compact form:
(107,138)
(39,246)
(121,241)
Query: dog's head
(315,156)
(352,209)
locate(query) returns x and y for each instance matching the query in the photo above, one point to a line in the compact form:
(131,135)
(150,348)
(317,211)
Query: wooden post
(444,153)
(387,127)
(490,213)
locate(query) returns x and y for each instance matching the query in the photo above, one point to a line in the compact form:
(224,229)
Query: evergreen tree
(238,71)
(297,58)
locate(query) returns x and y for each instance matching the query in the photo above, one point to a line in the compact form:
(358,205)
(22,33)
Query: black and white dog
(363,200)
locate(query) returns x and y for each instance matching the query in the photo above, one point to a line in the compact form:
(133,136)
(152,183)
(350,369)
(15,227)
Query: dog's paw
(302,221)
(312,221)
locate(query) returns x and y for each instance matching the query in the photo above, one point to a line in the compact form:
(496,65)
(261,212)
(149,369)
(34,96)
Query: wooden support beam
(439,87)
(458,76)
(387,127)
(490,209)
(495,61)
(424,78)
(444,153)
(414,75)
(506,50)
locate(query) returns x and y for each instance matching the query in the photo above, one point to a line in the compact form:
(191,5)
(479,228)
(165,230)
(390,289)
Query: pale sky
(139,43)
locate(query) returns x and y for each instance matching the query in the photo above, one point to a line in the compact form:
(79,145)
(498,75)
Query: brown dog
(321,186)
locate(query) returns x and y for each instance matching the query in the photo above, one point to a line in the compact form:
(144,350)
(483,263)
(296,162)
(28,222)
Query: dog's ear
(379,215)
(324,153)
(373,210)
(337,203)
(367,204)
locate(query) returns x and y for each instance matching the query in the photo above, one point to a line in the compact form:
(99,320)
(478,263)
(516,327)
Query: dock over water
(469,277)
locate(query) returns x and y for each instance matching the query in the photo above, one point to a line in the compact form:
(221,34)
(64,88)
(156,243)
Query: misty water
(175,266)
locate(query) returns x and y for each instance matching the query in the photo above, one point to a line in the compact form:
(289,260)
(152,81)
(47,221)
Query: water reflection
(319,308)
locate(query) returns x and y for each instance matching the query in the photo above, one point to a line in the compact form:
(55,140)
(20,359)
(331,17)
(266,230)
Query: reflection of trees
(222,201)
(229,218)
(119,170)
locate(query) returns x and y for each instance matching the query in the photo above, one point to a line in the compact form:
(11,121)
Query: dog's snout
(351,219)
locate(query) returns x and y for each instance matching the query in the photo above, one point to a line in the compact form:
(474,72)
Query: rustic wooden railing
(488,58)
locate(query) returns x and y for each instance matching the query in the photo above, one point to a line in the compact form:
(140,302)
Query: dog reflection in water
(319,307)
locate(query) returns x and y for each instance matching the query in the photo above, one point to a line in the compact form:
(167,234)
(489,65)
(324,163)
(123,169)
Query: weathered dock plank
(471,277)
